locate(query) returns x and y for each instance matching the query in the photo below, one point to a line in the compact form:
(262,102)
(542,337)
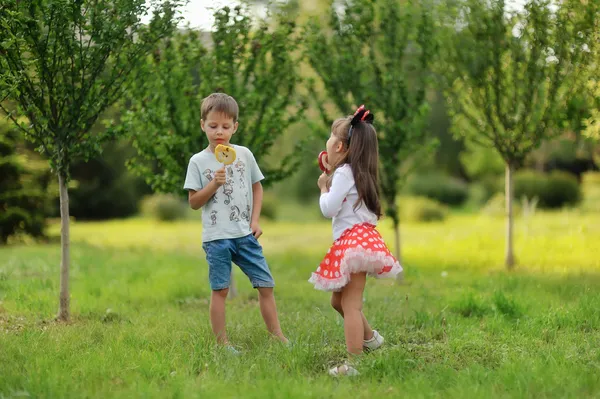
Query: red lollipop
(323,161)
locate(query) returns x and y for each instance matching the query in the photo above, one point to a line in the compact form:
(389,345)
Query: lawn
(457,326)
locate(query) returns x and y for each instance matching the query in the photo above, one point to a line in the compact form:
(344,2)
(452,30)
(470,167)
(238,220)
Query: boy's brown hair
(220,102)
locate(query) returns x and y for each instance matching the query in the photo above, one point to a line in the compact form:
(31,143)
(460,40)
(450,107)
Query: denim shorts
(245,252)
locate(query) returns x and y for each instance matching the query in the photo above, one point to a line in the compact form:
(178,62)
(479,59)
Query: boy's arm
(197,199)
(257,198)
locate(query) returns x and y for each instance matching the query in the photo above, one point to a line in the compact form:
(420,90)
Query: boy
(231,200)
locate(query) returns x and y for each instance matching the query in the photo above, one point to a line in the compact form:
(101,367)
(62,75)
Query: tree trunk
(232,287)
(397,250)
(397,241)
(509,258)
(64,299)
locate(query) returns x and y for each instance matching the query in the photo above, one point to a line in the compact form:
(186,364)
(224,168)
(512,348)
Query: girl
(351,198)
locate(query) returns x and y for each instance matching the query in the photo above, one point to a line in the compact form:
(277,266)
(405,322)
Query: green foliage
(379,53)
(24,184)
(258,67)
(592,124)
(269,205)
(481,191)
(65,62)
(143,308)
(421,209)
(591,89)
(481,162)
(505,89)
(590,187)
(470,306)
(164,207)
(569,154)
(509,73)
(103,187)
(445,189)
(553,190)
(496,205)
(507,306)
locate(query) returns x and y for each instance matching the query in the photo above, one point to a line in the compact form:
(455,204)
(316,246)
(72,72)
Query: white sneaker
(344,369)
(231,350)
(373,343)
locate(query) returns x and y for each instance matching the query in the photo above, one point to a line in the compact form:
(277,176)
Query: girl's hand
(322,183)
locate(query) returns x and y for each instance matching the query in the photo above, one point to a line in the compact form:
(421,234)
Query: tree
(510,75)
(591,125)
(378,53)
(258,67)
(64,62)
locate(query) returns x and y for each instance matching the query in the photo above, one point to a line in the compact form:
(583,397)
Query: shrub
(562,189)
(553,191)
(103,187)
(164,207)
(25,187)
(444,189)
(421,209)
(591,191)
(496,206)
(269,206)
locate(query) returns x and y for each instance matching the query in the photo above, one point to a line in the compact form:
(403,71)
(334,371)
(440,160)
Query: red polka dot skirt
(359,249)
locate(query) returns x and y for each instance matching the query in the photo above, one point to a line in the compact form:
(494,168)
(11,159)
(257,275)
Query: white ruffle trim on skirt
(358,260)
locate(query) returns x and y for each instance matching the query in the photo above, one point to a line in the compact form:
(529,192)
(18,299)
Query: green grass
(458,325)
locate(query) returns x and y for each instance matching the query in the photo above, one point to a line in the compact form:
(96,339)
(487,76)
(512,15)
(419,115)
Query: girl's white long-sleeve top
(339,202)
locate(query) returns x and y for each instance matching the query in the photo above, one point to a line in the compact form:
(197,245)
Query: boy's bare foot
(281,338)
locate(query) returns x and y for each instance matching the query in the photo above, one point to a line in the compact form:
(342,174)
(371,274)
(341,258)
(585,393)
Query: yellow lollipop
(225,154)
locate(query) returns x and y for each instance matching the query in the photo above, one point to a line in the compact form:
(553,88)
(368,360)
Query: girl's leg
(336,303)
(217,315)
(352,295)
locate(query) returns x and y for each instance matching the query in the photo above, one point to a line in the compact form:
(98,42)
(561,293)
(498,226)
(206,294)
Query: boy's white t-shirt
(227,214)
(339,202)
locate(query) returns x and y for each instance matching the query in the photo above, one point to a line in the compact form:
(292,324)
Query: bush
(591,191)
(164,207)
(555,190)
(530,184)
(444,189)
(482,191)
(421,209)
(496,206)
(25,187)
(269,206)
(103,187)
(562,189)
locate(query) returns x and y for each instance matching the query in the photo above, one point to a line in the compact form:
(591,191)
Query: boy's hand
(322,182)
(220,177)
(256,230)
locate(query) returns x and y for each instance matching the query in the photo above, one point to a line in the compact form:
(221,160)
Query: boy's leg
(218,256)
(352,295)
(249,257)
(336,303)
(268,310)
(217,315)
